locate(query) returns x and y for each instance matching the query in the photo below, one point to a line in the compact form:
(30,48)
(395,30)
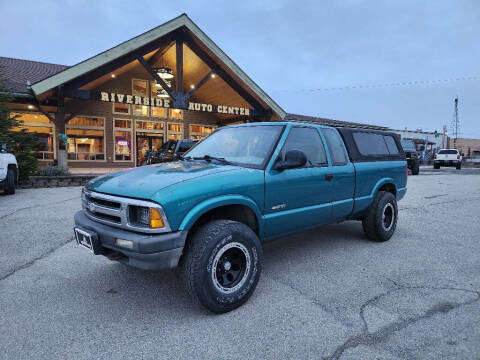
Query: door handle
(329,177)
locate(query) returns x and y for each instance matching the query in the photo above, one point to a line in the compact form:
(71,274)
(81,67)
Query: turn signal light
(156,220)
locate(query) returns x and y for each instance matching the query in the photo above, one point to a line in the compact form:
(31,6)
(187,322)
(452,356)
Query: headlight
(146,217)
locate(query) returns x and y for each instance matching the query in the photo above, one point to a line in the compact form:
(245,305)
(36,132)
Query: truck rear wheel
(415,168)
(10,182)
(381,220)
(222,265)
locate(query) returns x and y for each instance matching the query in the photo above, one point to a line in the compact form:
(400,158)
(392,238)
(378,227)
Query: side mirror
(293,159)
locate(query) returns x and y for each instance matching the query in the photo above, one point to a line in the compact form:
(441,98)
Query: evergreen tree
(22,144)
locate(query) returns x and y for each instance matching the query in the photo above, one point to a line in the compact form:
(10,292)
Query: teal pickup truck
(209,212)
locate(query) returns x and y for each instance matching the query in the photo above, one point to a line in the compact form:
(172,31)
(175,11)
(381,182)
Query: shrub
(53,171)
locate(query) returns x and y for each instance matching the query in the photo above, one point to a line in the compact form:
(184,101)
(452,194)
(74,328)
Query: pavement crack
(381,335)
(302,294)
(34,206)
(435,196)
(34,260)
(426,205)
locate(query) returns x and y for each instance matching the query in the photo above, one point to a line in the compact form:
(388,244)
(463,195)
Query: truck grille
(103,202)
(115,210)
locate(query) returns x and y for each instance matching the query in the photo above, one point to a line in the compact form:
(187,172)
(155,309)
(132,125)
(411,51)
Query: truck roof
(282,123)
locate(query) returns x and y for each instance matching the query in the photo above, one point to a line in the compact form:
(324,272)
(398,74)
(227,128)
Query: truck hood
(144,181)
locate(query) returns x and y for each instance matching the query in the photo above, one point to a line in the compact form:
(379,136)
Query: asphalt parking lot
(327,293)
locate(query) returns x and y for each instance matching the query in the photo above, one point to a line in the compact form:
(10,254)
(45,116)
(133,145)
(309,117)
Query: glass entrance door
(145,143)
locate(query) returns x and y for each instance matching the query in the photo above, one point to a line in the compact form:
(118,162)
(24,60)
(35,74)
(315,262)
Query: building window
(119,108)
(174,131)
(86,139)
(123,123)
(176,113)
(122,134)
(140,88)
(43,127)
(157,111)
(145,125)
(201,131)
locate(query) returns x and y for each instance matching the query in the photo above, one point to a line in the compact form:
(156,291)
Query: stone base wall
(55,181)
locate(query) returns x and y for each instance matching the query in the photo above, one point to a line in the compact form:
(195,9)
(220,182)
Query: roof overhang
(144,39)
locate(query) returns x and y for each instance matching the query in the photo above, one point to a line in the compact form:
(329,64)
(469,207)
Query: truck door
(297,199)
(342,173)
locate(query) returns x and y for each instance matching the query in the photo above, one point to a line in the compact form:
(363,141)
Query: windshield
(448,152)
(244,145)
(169,145)
(408,145)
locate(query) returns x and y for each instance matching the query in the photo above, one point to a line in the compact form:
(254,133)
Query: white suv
(8,171)
(448,157)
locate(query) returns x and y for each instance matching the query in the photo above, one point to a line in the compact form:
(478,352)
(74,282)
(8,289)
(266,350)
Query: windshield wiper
(210,158)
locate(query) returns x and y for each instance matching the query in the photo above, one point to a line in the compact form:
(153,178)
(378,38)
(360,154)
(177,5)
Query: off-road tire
(10,182)
(373,222)
(201,251)
(415,168)
(436,166)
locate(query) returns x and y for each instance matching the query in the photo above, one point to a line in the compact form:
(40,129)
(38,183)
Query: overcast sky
(329,58)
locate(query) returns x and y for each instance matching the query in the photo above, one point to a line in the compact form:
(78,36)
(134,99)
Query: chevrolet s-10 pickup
(209,212)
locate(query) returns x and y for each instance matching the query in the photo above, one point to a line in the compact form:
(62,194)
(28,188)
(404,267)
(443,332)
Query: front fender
(198,210)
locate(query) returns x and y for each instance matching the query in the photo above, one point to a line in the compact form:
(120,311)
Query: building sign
(167,103)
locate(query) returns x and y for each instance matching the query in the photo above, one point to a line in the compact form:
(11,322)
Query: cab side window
(308,141)
(335,145)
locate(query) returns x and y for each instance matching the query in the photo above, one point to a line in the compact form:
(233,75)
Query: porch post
(60,127)
(179,63)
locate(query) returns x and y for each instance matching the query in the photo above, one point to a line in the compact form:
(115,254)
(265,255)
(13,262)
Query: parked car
(447,157)
(170,151)
(413,157)
(8,171)
(245,184)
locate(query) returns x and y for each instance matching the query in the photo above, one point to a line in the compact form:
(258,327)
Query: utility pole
(444,146)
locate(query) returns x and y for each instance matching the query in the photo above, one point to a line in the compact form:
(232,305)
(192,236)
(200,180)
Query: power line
(385,85)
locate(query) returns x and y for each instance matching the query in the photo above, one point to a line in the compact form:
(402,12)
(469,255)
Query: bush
(53,171)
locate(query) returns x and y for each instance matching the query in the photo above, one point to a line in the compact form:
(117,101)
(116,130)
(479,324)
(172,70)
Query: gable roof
(331,122)
(16,72)
(143,39)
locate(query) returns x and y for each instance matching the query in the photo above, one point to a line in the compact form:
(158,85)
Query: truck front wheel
(222,265)
(381,220)
(10,182)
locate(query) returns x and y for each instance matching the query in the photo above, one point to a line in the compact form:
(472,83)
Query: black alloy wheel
(230,267)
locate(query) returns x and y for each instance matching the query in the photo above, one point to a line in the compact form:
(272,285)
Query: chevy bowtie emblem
(91,207)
